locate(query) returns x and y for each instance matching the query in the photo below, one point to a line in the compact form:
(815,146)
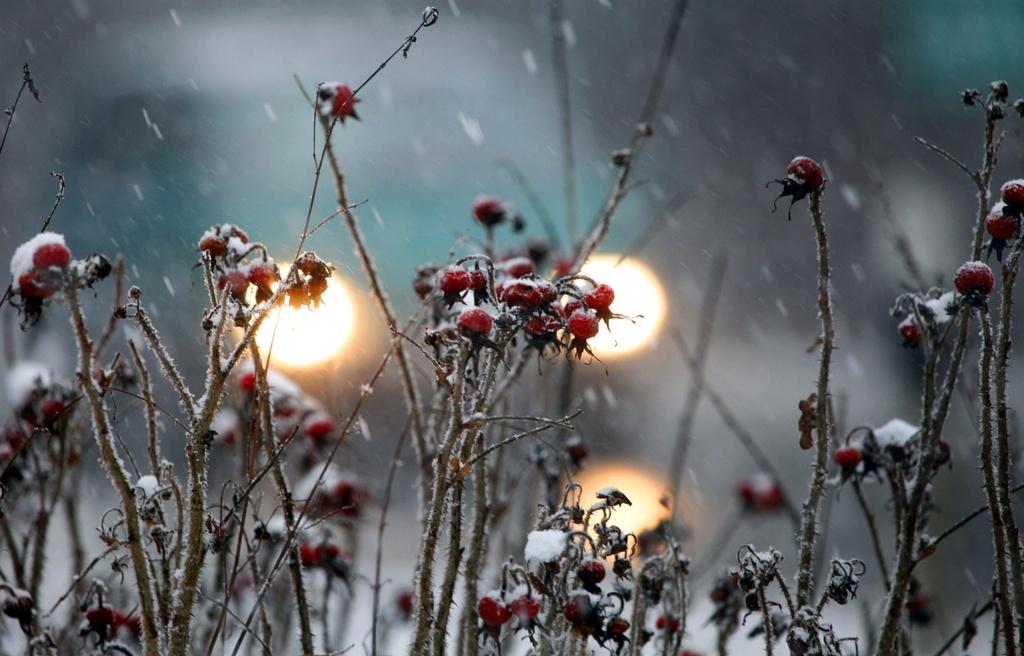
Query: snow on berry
(475,322)
(318,426)
(600,298)
(803,176)
(489,210)
(910,332)
(974,280)
(1012,193)
(943,308)
(24,378)
(492,610)
(544,546)
(1000,224)
(517,267)
(34,263)
(895,432)
(337,100)
(148,485)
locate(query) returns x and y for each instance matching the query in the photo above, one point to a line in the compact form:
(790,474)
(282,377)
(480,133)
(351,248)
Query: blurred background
(168,117)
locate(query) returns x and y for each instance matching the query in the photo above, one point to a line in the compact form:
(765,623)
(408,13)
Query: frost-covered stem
(989,476)
(156,345)
(766,622)
(1003,349)
(477,548)
(561,66)
(685,432)
(636,622)
(284,493)
(112,462)
(412,396)
(152,434)
(451,573)
(809,512)
(908,510)
(876,542)
(381,525)
(424,594)
(643,129)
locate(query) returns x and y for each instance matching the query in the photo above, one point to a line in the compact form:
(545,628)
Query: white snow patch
(21,261)
(24,378)
(895,433)
(544,546)
(148,485)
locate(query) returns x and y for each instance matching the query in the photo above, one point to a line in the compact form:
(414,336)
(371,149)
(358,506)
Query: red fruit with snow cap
(808,171)
(453,279)
(29,286)
(215,245)
(591,572)
(910,332)
(475,322)
(848,458)
(337,100)
(600,298)
(526,609)
(236,282)
(583,324)
(1012,193)
(492,611)
(488,210)
(974,279)
(517,267)
(1000,225)
(49,255)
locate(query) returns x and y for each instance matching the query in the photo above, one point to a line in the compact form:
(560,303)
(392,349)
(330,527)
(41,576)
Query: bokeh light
(638,294)
(300,337)
(644,489)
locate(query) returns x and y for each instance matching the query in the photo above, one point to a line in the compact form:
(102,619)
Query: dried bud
(1000,90)
(430,15)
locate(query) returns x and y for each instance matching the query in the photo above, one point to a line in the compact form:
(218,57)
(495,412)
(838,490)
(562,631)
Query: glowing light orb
(305,336)
(643,488)
(638,294)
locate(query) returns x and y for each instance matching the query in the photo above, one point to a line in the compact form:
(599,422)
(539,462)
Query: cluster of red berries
(327,556)
(760,493)
(494,611)
(336,100)
(39,268)
(228,248)
(803,176)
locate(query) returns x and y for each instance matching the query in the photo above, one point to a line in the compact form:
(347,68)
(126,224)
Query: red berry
(492,611)
(235,281)
(51,408)
(263,274)
(475,321)
(770,498)
(344,104)
(576,450)
(453,279)
(517,267)
(349,498)
(101,620)
(15,438)
(746,492)
(309,554)
(247,382)
(318,426)
(974,279)
(665,622)
(29,287)
(214,245)
(807,170)
(618,626)
(525,608)
(600,298)
(489,210)
(522,293)
(564,265)
(404,601)
(583,324)
(591,572)
(848,458)
(999,225)
(477,280)
(1012,193)
(910,332)
(51,255)
(578,609)
(422,287)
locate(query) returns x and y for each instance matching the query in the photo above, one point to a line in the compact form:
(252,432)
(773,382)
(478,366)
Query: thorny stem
(766,622)
(809,513)
(112,462)
(1003,348)
(284,493)
(677,464)
(412,396)
(561,65)
(643,129)
(876,542)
